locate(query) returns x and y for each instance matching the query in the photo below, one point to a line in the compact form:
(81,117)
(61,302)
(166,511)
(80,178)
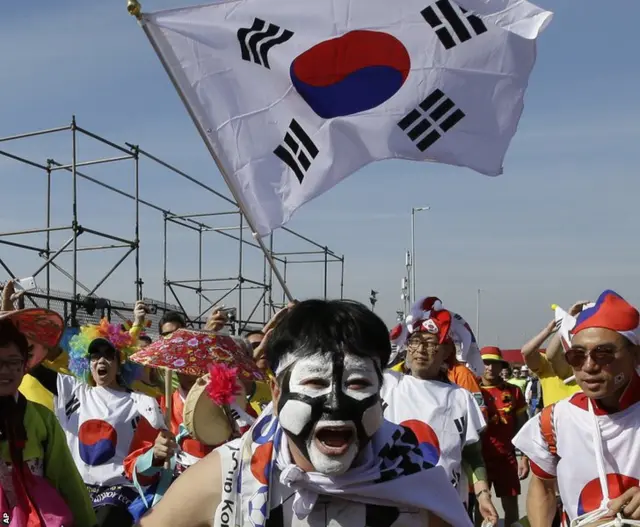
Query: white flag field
(293,96)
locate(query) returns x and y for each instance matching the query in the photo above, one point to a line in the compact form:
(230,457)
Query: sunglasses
(600,355)
(107,353)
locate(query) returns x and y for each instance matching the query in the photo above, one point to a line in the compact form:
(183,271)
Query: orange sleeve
(464,377)
(143,441)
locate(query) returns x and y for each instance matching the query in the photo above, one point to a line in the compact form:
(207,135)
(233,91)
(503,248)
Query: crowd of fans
(318,405)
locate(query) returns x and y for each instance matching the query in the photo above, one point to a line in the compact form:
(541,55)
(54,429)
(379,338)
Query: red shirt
(504,403)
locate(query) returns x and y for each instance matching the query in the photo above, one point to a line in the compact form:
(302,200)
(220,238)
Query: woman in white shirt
(99,414)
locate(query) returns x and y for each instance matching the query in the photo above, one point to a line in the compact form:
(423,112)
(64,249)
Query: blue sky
(558,226)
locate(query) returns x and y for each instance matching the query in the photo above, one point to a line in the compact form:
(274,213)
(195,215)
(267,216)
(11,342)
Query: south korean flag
(292,97)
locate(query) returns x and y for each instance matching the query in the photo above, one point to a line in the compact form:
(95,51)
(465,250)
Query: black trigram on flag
(256,41)
(71,406)
(433,117)
(449,20)
(298,150)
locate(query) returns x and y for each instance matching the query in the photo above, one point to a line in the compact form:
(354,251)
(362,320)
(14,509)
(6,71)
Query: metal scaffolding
(256,298)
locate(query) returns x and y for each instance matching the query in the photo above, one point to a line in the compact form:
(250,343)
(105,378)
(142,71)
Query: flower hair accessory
(120,340)
(222,387)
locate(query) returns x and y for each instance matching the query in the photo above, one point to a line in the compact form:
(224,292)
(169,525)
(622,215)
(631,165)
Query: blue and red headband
(610,311)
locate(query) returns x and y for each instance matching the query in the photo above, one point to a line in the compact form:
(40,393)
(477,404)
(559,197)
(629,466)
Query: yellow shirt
(261,397)
(520,383)
(553,387)
(34,391)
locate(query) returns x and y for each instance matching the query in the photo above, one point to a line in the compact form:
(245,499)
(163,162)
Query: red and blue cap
(613,312)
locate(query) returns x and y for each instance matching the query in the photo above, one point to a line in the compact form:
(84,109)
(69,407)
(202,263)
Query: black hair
(145,338)
(329,325)
(254,332)
(172,316)
(9,334)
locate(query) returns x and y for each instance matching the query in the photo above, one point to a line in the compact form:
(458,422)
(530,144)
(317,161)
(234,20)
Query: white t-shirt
(99,424)
(574,465)
(444,417)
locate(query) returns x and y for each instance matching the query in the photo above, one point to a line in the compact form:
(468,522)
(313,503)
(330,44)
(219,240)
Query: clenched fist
(164,447)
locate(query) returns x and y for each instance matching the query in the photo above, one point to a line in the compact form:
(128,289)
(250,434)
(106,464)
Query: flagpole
(134,9)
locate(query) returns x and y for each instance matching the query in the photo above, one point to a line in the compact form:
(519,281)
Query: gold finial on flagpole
(134,8)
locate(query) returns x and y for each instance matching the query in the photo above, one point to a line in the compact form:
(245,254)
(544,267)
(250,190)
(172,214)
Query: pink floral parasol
(191,352)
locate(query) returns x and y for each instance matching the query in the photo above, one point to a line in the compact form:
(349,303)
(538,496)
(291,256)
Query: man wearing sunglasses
(600,426)
(255,338)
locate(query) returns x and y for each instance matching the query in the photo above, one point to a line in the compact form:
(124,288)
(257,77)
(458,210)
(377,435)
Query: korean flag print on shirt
(99,424)
(444,417)
(574,462)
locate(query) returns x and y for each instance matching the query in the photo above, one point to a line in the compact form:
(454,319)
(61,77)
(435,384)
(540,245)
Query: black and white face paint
(330,407)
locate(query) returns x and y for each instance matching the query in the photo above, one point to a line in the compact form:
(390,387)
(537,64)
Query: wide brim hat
(207,421)
(492,354)
(43,329)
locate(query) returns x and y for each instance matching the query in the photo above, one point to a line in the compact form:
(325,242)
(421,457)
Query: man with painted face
(322,454)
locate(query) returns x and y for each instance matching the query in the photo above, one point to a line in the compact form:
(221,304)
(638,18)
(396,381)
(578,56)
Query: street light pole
(407,264)
(478,317)
(405,295)
(413,248)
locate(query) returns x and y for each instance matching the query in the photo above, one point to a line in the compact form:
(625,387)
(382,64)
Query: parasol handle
(168,403)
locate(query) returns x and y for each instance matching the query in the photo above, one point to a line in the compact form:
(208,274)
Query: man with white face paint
(329,407)
(322,454)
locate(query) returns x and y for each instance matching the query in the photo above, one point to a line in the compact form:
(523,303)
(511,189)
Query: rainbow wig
(119,339)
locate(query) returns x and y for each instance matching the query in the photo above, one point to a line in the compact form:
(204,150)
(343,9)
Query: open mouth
(334,440)
(102,370)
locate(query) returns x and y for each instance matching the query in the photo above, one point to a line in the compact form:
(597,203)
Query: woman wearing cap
(99,414)
(37,473)
(589,442)
(445,418)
